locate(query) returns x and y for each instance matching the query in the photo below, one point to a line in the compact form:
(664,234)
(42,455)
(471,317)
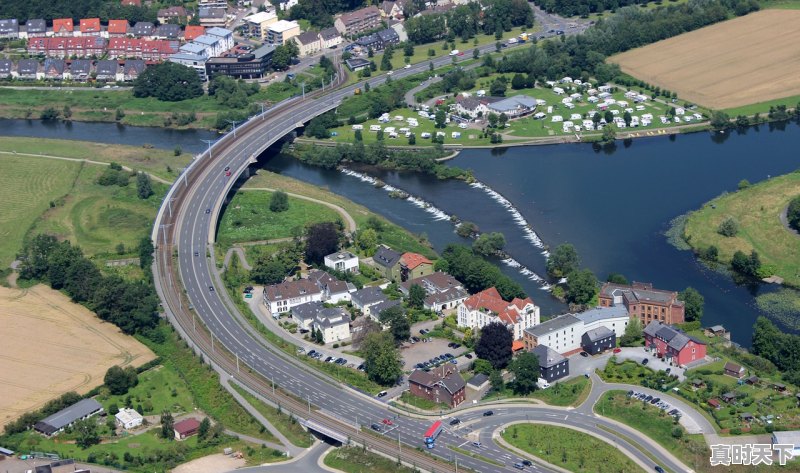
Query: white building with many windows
(343,261)
(614,318)
(280,298)
(562,334)
(487,307)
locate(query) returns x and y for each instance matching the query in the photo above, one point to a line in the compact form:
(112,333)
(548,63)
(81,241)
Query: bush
(728,228)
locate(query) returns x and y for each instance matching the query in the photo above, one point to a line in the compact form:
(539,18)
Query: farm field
(52,346)
(702,67)
(757,209)
(26,188)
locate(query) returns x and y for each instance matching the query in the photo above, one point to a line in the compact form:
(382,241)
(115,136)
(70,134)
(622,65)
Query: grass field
(98,218)
(570,393)
(160,388)
(702,67)
(567,448)
(26,188)
(757,209)
(763,107)
(52,346)
(150,160)
(287,425)
(248,218)
(356,460)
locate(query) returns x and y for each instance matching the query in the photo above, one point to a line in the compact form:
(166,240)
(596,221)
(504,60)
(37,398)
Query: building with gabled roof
(552,365)
(562,334)
(330,37)
(80,69)
(644,302)
(54,68)
(28,69)
(176,14)
(673,345)
(733,370)
(106,70)
(211,15)
(133,68)
(186,428)
(488,306)
(333,290)
(168,31)
(90,27)
(117,28)
(442,290)
(34,28)
(358,21)
(442,385)
(6,68)
(67,46)
(598,340)
(143,29)
(9,28)
(364,299)
(53,424)
(63,27)
(308,43)
(282,297)
(193,31)
(131,3)
(515,106)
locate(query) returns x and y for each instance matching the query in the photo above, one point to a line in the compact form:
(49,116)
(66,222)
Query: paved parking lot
(655,363)
(421,352)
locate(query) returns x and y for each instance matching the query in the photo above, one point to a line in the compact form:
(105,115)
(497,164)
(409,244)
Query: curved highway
(184,233)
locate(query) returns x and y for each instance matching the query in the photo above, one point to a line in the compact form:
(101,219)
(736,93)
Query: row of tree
(466,21)
(476,273)
(75,9)
(779,347)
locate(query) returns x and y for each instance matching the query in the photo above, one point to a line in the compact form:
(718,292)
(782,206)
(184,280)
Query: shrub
(729,227)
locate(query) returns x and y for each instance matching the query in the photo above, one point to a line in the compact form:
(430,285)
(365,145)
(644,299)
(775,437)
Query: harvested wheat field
(51,346)
(746,60)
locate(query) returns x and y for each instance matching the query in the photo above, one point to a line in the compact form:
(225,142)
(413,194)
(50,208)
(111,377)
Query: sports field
(738,62)
(51,346)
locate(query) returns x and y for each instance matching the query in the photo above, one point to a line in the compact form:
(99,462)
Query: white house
(330,37)
(487,306)
(343,261)
(225,37)
(614,318)
(562,334)
(442,290)
(515,106)
(333,290)
(258,24)
(365,299)
(308,43)
(334,323)
(280,298)
(128,418)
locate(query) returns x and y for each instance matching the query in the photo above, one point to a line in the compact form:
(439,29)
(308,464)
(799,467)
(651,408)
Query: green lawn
(570,393)
(422,403)
(763,107)
(248,218)
(159,389)
(98,218)
(27,186)
(287,425)
(757,210)
(356,460)
(568,449)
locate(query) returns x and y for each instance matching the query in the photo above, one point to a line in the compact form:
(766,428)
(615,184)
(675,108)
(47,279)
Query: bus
(432,433)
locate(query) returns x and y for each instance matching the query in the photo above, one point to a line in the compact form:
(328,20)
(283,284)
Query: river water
(613,206)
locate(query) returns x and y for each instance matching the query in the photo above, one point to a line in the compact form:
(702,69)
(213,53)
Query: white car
(407,66)
(390,73)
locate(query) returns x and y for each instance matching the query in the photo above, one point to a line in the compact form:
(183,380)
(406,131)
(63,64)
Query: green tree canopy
(562,261)
(119,380)
(729,227)
(581,286)
(168,82)
(633,333)
(381,358)
(167,425)
(494,345)
(793,213)
(694,302)
(617,278)
(86,433)
(321,239)
(279,202)
(526,372)
(144,188)
(396,318)
(489,244)
(416,296)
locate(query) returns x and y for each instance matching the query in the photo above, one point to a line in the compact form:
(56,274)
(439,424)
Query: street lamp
(233,122)
(303,85)
(209,143)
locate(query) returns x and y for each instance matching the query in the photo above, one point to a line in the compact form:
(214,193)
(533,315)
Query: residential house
(90,27)
(734,370)
(714,403)
(442,291)
(644,302)
(789,437)
(752,380)
(107,70)
(9,28)
(143,29)
(513,107)
(224,35)
(63,27)
(117,28)
(34,28)
(673,345)
(80,69)
(330,38)
(55,423)
(54,68)
(211,16)
(471,107)
(562,334)
(364,299)
(414,265)
(697,383)
(308,43)
(186,428)
(193,31)
(442,385)
(333,290)
(282,31)
(175,14)
(370,42)
(6,68)
(487,307)
(746,417)
(65,47)
(343,261)
(248,66)
(168,31)
(195,61)
(614,318)
(356,64)
(133,69)
(717,331)
(352,23)
(388,261)
(131,3)
(303,315)
(729,397)
(334,323)
(147,49)
(375,310)
(128,418)
(258,24)
(280,298)
(552,365)
(598,340)
(391,10)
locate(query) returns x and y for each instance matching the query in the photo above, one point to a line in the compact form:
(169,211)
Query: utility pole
(309,404)
(303,85)
(273,385)
(262,110)
(232,122)
(209,143)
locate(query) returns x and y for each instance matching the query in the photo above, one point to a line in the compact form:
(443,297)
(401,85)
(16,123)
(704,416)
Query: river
(613,206)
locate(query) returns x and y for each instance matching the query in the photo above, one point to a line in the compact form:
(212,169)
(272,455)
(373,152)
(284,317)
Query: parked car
(468,356)
(527,462)
(584,354)
(376,427)
(617,350)
(645,361)
(382,393)
(668,370)
(488,413)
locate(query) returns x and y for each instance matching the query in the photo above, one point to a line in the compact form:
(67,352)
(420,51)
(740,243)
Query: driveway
(655,363)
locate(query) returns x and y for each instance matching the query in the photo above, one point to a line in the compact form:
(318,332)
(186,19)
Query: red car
(461,53)
(227,174)
(617,350)
(387,421)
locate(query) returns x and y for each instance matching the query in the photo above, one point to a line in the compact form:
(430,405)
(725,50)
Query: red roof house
(117,27)
(186,428)
(90,26)
(131,3)
(714,403)
(488,306)
(414,265)
(193,32)
(63,27)
(149,50)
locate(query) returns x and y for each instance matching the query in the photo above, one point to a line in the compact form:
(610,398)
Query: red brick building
(149,50)
(644,302)
(441,385)
(66,47)
(673,345)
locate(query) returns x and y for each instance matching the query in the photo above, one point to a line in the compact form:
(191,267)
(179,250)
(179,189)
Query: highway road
(185,231)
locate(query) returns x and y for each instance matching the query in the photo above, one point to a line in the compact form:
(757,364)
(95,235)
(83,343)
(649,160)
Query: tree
(202,431)
(743,184)
(143,187)
(482,366)
(489,244)
(694,302)
(167,425)
(367,240)
(492,118)
(279,202)
(494,345)
(416,296)
(581,286)
(747,266)
(282,57)
(627,118)
(168,82)
(146,250)
(321,239)
(617,278)
(518,82)
(729,227)
(396,318)
(496,381)
(86,433)
(476,53)
(609,135)
(720,120)
(466,229)
(119,380)
(502,120)
(498,87)
(562,261)
(408,49)
(269,271)
(440,118)
(412,139)
(633,333)
(526,372)
(381,358)
(793,213)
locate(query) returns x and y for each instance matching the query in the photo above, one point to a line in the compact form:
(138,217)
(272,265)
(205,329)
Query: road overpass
(186,281)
